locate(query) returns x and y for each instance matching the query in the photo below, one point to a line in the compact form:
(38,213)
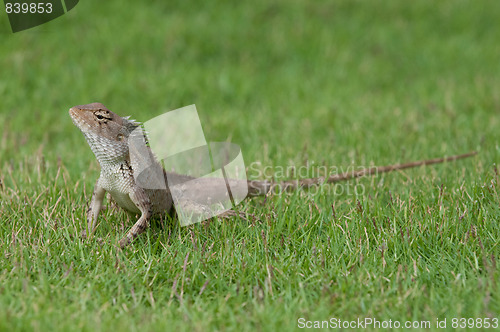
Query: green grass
(344,83)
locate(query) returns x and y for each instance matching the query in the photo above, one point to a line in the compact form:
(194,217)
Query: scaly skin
(107,134)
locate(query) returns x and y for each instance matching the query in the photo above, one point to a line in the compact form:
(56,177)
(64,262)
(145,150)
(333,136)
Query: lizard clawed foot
(243,215)
(125,241)
(99,240)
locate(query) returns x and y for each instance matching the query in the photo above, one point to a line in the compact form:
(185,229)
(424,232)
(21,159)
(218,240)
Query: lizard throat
(107,151)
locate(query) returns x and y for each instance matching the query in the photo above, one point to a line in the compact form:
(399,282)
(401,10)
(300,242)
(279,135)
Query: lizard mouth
(74,113)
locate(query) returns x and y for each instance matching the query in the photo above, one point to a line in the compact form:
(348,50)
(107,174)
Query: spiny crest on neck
(130,124)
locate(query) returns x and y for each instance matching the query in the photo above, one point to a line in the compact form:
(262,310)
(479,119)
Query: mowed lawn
(309,86)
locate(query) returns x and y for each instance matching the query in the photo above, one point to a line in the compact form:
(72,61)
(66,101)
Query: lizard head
(105,131)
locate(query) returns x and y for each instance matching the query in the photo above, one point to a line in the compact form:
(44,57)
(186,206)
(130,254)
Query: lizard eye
(102,116)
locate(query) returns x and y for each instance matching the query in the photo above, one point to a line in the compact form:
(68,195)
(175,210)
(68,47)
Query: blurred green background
(377,80)
(335,82)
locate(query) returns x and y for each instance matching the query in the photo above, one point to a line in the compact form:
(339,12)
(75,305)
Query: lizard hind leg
(141,200)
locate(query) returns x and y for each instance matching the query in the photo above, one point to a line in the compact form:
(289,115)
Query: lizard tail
(259,188)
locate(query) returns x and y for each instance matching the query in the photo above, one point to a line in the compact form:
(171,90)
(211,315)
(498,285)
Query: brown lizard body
(107,134)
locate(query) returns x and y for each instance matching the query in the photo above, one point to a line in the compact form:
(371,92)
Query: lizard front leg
(95,207)
(141,200)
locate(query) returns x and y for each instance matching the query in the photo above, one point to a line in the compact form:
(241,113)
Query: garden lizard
(107,134)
